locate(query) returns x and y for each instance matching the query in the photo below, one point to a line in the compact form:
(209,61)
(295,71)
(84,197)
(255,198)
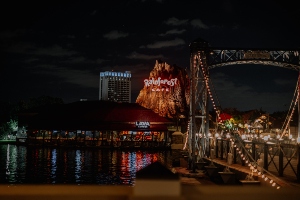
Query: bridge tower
(202,58)
(198,132)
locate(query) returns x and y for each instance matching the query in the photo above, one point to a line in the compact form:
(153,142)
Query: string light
(266,178)
(292,112)
(273,184)
(187,136)
(206,79)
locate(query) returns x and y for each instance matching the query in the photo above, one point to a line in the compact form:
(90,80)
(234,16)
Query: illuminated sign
(160,89)
(257,55)
(160,84)
(142,124)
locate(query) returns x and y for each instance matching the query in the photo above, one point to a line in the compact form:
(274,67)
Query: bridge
(203,57)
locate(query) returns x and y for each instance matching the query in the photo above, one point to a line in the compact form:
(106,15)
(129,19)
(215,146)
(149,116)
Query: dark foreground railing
(273,156)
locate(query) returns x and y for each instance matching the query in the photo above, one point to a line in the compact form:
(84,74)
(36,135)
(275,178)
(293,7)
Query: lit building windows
(115,86)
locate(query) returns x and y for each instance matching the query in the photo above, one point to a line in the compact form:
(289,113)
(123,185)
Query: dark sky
(58,48)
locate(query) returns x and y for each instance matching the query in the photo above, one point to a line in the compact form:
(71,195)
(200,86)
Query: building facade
(96,124)
(115,86)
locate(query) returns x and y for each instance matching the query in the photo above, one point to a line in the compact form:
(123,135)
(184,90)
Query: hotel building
(115,86)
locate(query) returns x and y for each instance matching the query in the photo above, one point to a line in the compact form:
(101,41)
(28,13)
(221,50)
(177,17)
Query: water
(37,165)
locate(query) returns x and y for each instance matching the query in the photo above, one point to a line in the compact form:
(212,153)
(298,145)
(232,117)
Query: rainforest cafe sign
(142,124)
(160,82)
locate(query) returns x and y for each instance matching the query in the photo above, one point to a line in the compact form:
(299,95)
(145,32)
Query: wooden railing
(277,158)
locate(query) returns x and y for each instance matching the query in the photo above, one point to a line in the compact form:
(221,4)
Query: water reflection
(53,164)
(29,165)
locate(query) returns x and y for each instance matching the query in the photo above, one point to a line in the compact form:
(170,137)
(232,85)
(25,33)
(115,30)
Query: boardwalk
(200,176)
(288,180)
(275,160)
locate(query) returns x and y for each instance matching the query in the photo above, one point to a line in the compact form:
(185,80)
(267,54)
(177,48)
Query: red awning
(224,116)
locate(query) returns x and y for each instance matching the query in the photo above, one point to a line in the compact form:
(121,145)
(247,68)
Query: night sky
(58,48)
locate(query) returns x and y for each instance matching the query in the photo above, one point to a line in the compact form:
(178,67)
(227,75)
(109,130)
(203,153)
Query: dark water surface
(37,165)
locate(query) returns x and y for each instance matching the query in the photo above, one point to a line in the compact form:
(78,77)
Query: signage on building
(160,84)
(257,55)
(142,124)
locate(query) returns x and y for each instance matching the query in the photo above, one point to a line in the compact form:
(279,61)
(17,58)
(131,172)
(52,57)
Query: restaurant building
(96,124)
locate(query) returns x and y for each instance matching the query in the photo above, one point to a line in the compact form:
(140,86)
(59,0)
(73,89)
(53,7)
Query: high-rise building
(115,86)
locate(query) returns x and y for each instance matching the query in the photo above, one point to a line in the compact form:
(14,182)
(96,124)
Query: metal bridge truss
(203,58)
(282,58)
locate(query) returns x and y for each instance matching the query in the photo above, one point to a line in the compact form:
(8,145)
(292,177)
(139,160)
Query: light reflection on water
(29,165)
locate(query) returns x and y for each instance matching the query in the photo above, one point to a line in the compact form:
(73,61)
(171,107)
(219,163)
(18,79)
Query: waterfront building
(97,124)
(115,86)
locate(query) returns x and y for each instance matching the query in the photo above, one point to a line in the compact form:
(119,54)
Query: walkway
(201,177)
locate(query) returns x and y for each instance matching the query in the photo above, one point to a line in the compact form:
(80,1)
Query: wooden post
(227,147)
(280,167)
(102,137)
(222,149)
(265,156)
(43,132)
(209,146)
(217,148)
(111,138)
(234,155)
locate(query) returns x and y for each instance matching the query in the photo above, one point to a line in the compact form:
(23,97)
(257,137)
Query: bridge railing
(278,158)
